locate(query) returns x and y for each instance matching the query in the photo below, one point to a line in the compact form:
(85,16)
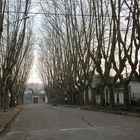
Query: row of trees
(82,38)
(15,51)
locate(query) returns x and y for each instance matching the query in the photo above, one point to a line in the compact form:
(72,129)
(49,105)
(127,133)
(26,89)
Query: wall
(134,90)
(119,97)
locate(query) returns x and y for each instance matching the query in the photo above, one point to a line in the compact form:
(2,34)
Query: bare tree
(83,38)
(11,52)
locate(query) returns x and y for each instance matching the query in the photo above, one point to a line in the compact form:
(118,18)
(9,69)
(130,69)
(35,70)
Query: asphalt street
(46,122)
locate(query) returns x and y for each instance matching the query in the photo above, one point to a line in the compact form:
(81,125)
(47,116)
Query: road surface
(46,122)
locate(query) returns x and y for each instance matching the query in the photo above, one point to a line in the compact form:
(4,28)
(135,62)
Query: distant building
(40,97)
(35,99)
(28,96)
(35,93)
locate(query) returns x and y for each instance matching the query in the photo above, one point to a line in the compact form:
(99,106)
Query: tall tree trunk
(86,97)
(1,98)
(5,99)
(101,92)
(126,96)
(93,97)
(112,101)
(12,100)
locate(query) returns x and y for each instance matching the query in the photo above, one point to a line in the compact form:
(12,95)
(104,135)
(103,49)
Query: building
(96,85)
(40,97)
(28,96)
(35,93)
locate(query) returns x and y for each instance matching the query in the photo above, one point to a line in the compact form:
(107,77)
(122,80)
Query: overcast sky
(34,75)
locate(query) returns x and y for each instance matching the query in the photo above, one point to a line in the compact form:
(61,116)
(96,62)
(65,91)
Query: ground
(46,122)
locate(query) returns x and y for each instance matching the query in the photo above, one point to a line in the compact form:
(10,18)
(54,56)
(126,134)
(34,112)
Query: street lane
(45,122)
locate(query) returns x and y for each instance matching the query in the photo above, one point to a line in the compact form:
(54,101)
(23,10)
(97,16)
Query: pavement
(46,122)
(8,116)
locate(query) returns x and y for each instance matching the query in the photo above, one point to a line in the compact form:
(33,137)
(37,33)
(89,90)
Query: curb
(106,111)
(9,120)
(113,112)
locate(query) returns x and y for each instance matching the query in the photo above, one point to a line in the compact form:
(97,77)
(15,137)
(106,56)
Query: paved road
(45,122)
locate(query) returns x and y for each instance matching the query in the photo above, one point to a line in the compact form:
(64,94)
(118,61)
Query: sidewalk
(8,116)
(120,112)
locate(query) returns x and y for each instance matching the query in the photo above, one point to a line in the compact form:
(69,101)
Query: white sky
(34,75)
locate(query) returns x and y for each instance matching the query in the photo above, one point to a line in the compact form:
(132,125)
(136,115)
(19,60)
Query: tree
(15,50)
(85,38)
